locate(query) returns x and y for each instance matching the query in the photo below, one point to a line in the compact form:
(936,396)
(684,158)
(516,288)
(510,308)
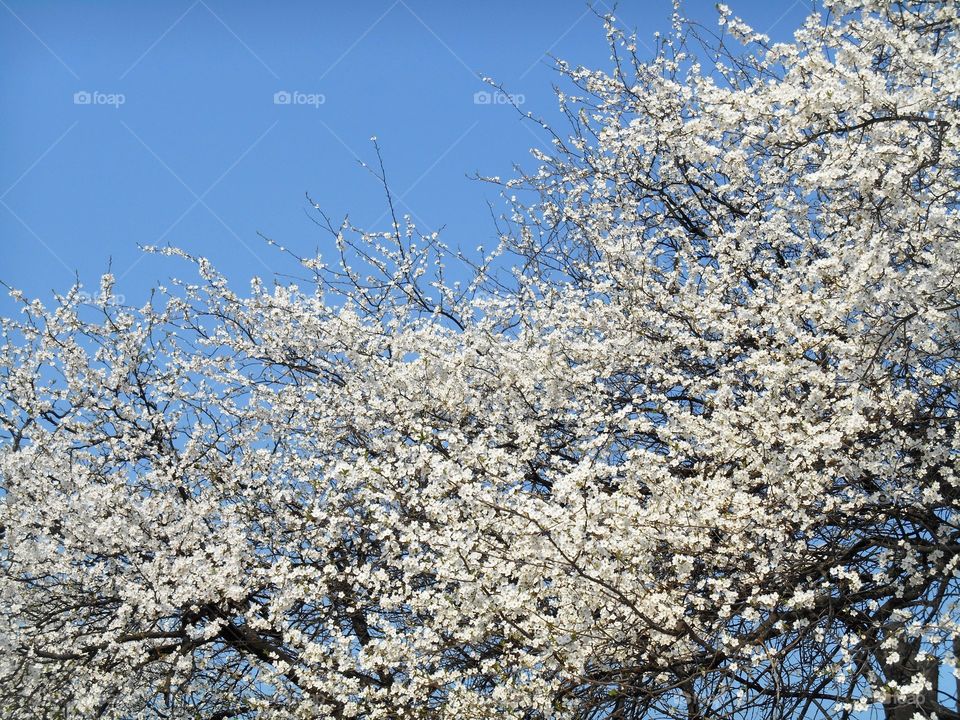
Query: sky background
(178,138)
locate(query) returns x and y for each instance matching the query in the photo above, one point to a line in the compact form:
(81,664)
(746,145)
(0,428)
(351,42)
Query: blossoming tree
(685,446)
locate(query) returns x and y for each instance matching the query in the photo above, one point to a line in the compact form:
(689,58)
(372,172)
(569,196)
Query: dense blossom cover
(685,447)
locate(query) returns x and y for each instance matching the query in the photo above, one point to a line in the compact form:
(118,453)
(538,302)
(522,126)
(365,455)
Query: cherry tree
(684,446)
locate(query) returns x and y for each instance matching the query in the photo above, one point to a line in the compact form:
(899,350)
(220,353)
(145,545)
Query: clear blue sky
(200,156)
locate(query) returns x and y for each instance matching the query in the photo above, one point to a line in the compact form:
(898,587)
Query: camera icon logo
(82,97)
(282,97)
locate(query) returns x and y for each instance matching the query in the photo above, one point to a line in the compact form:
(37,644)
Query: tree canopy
(683,446)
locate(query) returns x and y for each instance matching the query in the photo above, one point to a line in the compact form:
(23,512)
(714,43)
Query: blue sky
(178,138)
